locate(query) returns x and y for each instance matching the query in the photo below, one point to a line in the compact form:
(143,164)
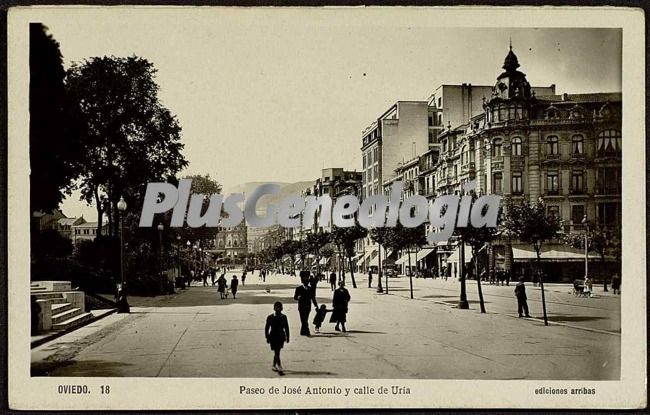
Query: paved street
(195,334)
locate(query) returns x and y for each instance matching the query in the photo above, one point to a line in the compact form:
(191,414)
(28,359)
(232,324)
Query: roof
(87,225)
(578,98)
(67,221)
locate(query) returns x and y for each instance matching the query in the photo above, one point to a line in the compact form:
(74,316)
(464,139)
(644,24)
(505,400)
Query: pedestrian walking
(221,286)
(588,285)
(213,274)
(234,284)
(243,279)
(340,302)
(205,278)
(313,283)
(370,279)
(333,280)
(276,332)
(616,284)
(304,294)
(320,317)
(522,300)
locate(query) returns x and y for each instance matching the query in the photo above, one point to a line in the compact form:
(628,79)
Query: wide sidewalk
(195,334)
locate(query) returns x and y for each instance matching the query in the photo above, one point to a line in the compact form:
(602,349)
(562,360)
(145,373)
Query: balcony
(608,190)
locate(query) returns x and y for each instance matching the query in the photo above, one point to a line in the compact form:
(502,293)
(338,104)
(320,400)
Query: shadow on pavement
(99,368)
(574,318)
(306,372)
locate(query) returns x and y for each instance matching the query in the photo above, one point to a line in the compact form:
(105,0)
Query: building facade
(565,149)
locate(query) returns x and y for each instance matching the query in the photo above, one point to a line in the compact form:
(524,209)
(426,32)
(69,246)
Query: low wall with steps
(61,308)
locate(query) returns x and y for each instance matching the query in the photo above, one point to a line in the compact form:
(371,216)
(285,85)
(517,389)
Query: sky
(277,99)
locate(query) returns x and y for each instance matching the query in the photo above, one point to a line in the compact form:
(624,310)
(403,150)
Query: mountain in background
(286,189)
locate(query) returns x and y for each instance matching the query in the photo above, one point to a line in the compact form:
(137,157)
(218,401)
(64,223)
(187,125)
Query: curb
(57,334)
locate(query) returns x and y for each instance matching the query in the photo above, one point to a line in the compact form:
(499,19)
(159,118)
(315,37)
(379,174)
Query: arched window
(496,147)
(464,156)
(516,146)
(609,141)
(552,145)
(502,112)
(576,144)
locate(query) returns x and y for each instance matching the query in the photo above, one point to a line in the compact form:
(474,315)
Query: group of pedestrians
(276,329)
(222,286)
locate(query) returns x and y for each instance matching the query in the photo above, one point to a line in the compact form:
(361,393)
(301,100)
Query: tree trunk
(463,303)
(478,280)
(541,282)
(354,283)
(380,289)
(602,257)
(386,288)
(100,212)
(408,252)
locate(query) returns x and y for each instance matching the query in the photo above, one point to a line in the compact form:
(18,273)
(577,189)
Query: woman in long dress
(340,306)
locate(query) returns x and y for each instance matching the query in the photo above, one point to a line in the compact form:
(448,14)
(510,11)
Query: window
(577,214)
(552,145)
(608,214)
(430,120)
(517,186)
(553,211)
(609,180)
(516,146)
(464,156)
(440,102)
(497,183)
(552,183)
(576,144)
(430,137)
(364,161)
(496,147)
(609,141)
(502,112)
(577,182)
(439,119)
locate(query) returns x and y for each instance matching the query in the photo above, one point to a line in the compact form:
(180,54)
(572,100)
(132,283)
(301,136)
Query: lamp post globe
(121,297)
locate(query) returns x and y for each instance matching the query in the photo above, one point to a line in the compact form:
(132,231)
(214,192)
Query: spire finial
(510,43)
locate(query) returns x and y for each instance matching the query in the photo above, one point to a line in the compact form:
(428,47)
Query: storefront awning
(404,259)
(366,256)
(455,256)
(324,260)
(550,253)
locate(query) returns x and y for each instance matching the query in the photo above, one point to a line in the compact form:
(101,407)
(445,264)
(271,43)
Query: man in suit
(522,303)
(305,295)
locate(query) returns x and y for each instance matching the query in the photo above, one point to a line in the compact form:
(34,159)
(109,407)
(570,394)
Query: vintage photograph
(323,108)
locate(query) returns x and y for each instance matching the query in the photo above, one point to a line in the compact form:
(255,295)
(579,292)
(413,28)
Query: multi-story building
(86,231)
(565,149)
(232,242)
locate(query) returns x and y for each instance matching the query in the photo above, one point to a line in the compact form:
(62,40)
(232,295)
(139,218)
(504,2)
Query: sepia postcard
(336,207)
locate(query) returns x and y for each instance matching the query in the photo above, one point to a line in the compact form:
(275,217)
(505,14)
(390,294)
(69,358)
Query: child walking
(320,317)
(276,332)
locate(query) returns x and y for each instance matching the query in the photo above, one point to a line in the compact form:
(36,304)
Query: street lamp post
(189,266)
(586,223)
(122,303)
(178,255)
(161,227)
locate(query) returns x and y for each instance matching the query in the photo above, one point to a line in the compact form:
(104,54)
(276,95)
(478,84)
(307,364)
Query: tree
(345,239)
(600,241)
(402,237)
(380,236)
(477,238)
(528,222)
(53,148)
(314,242)
(127,137)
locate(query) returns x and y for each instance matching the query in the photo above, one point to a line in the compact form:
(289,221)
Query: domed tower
(510,94)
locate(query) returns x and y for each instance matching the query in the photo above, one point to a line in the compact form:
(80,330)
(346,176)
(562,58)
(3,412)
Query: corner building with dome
(565,149)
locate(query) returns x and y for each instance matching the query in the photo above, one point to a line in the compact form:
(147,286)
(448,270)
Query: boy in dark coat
(276,332)
(234,284)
